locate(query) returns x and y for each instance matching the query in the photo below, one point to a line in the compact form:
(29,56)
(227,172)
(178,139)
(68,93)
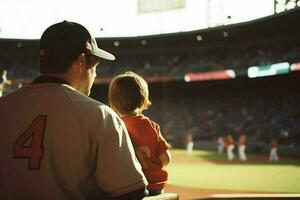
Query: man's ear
(80,62)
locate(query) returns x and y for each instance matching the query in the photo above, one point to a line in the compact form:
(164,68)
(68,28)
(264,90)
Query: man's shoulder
(77,97)
(88,104)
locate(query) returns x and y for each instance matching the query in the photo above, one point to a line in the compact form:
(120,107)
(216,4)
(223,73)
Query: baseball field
(205,173)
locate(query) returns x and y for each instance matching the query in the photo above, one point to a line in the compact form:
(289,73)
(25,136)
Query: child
(129,97)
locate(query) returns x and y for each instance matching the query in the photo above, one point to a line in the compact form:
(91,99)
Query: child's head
(128,94)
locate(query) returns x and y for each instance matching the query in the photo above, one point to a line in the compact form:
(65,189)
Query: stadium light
(199,38)
(283,5)
(116,43)
(144,42)
(225,34)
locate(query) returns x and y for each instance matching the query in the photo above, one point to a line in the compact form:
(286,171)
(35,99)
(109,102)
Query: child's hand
(143,153)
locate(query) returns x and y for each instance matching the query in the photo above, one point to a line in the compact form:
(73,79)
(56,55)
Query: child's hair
(129,94)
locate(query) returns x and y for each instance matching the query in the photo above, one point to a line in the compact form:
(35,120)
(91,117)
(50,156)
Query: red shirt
(144,132)
(274,144)
(242,141)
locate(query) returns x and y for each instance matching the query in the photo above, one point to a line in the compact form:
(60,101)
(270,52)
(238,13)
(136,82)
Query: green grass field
(209,170)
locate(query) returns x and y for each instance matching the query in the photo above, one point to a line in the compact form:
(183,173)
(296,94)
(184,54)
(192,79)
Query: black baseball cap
(69,39)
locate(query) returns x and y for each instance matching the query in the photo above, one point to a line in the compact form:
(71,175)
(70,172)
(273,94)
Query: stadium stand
(261,108)
(260,42)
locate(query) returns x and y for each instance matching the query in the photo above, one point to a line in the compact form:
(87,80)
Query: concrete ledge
(165,196)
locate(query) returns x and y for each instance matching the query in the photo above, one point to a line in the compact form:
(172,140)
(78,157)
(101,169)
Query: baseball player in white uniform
(242,148)
(55,141)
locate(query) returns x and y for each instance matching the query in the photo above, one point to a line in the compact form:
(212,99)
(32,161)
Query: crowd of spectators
(238,58)
(21,61)
(259,116)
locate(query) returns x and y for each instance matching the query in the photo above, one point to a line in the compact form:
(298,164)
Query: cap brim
(96,51)
(102,54)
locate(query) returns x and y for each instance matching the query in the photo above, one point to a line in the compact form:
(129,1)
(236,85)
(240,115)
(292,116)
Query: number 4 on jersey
(30,144)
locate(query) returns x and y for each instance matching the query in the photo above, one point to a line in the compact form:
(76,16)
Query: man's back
(50,141)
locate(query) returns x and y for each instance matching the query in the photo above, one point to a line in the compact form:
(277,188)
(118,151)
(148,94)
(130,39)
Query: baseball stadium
(223,81)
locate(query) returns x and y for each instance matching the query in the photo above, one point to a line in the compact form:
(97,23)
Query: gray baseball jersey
(56,143)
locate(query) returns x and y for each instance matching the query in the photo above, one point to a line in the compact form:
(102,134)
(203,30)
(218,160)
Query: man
(57,143)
